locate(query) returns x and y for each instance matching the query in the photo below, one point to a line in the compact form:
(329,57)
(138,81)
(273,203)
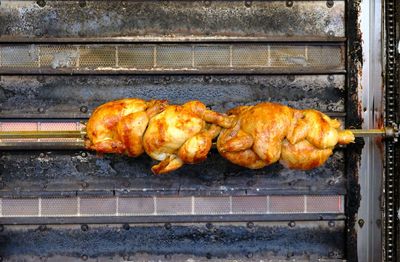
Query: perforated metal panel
(136,56)
(58,56)
(59,206)
(87,206)
(174,56)
(97,56)
(20,207)
(251,55)
(103,206)
(136,205)
(251,204)
(19,56)
(287,204)
(161,57)
(327,204)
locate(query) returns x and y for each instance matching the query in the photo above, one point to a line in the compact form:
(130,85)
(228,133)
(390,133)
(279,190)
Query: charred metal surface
(170,18)
(353,120)
(146,257)
(62,96)
(307,240)
(5,221)
(353,158)
(31,173)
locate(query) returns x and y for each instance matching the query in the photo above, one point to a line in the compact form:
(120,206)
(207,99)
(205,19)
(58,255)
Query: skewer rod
(368,132)
(41,134)
(82,133)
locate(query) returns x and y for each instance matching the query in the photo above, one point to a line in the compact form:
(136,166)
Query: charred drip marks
(353,158)
(171,18)
(353,120)
(63,96)
(221,241)
(26,173)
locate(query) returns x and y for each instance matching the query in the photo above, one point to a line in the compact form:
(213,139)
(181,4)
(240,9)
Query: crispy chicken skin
(249,136)
(266,133)
(182,134)
(118,126)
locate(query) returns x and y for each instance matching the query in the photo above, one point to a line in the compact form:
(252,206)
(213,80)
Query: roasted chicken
(266,133)
(251,136)
(118,126)
(182,134)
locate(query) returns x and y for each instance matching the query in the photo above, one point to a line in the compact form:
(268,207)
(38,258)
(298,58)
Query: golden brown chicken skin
(182,134)
(118,126)
(269,132)
(314,138)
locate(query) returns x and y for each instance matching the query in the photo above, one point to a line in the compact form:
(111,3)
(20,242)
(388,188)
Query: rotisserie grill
(274,124)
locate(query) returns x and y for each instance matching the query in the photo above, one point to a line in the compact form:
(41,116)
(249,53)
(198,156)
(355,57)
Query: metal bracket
(393,132)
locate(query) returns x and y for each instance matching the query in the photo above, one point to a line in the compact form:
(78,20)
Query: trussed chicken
(118,126)
(182,134)
(252,136)
(266,133)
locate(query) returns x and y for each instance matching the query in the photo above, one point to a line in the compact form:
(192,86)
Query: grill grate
(172,57)
(171,205)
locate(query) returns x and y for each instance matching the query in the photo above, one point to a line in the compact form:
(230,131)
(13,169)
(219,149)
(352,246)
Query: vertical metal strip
(305,203)
(230,205)
(390,207)
(155,205)
(78,206)
(354,61)
(40,207)
(116,56)
(154,56)
(230,55)
(78,57)
(39,54)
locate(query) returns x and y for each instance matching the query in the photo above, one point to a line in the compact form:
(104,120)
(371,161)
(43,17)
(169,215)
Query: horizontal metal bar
(169,219)
(22,145)
(42,134)
(175,39)
(213,71)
